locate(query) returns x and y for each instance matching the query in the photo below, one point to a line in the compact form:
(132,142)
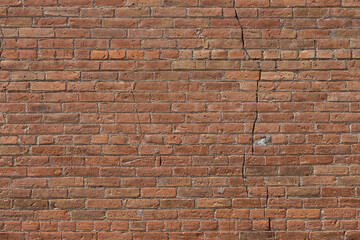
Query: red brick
(30,32)
(156,23)
(324,3)
(180,3)
(12,65)
(13,150)
(87,214)
(221,235)
(11,2)
(103,203)
(110,3)
(303,213)
(52,214)
(45,235)
(114,236)
(124,192)
(156,192)
(141,203)
(132,12)
(328,234)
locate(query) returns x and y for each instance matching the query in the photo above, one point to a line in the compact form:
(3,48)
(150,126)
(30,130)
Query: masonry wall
(179,119)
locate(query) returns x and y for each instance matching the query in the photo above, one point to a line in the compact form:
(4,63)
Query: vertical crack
(256,112)
(266,206)
(269,226)
(6,85)
(139,130)
(248,57)
(135,108)
(245,155)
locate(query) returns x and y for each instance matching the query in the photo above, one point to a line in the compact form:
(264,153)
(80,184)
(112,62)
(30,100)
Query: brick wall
(179,119)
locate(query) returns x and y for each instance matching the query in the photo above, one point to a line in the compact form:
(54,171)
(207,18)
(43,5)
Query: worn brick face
(179,119)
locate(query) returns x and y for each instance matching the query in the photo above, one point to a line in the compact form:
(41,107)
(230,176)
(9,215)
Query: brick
(112,22)
(212,203)
(13,235)
(235,213)
(11,2)
(101,12)
(30,204)
(12,65)
(220,235)
(45,235)
(156,192)
(50,192)
(322,3)
(159,214)
(103,203)
(310,180)
(256,235)
(87,214)
(319,202)
(13,150)
(291,234)
(47,86)
(44,171)
(327,234)
(180,3)
(141,203)
(181,203)
(303,213)
(123,192)
(124,214)
(132,12)
(350,3)
(30,32)
(29,182)
(66,182)
(19,22)
(52,214)
(168,12)
(200,192)
(115,235)
(156,23)
(110,3)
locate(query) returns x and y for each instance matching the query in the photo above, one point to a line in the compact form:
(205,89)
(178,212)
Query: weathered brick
(184,116)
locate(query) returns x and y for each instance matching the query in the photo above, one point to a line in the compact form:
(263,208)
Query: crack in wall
(6,85)
(139,130)
(135,108)
(248,57)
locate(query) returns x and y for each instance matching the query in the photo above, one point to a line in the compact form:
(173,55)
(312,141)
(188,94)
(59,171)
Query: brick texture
(179,119)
